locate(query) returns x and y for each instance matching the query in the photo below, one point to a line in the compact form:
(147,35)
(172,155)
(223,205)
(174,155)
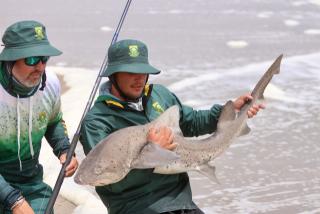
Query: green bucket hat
(24,39)
(128,56)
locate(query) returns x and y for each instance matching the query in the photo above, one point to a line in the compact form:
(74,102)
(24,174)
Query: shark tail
(266,78)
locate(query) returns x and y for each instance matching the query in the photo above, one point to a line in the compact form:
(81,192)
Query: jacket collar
(112,101)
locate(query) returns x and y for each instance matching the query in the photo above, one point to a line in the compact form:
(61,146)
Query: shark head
(106,163)
(99,175)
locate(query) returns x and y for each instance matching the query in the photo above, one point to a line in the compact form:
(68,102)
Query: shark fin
(170,118)
(228,113)
(208,171)
(261,97)
(245,130)
(152,155)
(266,78)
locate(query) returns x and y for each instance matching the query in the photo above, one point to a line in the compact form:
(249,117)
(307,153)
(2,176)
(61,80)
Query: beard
(31,81)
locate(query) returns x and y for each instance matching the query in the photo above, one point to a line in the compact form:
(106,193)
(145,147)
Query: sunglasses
(34,60)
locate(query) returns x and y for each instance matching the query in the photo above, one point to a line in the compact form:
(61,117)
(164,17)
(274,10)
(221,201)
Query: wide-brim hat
(24,39)
(129,56)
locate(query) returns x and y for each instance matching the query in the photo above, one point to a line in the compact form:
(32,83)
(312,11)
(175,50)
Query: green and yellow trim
(146,89)
(114,103)
(157,107)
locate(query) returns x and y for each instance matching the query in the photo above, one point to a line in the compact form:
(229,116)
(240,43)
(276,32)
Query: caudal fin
(258,90)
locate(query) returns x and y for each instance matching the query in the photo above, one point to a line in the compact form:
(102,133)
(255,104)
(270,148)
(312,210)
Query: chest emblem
(42,117)
(157,107)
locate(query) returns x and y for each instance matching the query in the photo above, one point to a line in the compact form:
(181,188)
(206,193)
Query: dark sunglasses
(34,60)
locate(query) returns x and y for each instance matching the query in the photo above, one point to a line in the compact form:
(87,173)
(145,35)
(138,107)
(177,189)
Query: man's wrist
(66,153)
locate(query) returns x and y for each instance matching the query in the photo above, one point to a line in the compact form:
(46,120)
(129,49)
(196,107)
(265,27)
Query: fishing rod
(76,136)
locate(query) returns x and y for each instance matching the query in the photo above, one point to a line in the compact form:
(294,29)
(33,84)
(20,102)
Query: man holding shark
(128,100)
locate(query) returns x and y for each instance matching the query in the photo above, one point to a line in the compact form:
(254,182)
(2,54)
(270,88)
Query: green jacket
(24,121)
(142,191)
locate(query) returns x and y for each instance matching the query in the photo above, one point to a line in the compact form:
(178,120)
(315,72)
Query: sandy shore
(63,206)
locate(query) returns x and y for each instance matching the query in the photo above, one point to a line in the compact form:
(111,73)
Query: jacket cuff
(61,147)
(11,198)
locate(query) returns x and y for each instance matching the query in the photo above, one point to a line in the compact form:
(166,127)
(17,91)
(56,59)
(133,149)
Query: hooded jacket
(24,121)
(143,191)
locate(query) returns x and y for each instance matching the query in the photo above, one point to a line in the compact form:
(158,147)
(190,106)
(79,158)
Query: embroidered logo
(157,107)
(42,117)
(133,50)
(39,33)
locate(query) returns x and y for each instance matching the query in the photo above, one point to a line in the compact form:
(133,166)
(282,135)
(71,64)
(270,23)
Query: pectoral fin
(152,155)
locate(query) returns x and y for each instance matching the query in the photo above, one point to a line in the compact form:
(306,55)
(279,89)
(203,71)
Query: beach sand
(62,205)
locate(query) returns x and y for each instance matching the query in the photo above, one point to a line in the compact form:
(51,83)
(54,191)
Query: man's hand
(23,208)
(162,136)
(240,101)
(72,167)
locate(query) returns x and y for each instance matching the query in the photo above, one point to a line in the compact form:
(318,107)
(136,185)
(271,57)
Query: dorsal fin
(228,113)
(170,118)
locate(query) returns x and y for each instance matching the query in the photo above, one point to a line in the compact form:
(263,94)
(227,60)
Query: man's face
(28,76)
(131,84)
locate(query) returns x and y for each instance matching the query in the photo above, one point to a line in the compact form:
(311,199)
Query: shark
(126,149)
